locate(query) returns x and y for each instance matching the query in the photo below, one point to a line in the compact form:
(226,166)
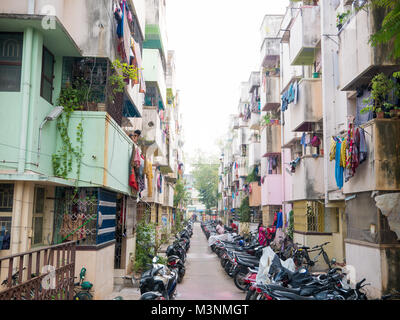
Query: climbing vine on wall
(72,98)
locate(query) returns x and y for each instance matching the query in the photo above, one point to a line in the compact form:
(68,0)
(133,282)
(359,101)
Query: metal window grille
(10,61)
(315,212)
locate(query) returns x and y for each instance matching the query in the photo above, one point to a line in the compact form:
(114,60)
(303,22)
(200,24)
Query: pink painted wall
(271,190)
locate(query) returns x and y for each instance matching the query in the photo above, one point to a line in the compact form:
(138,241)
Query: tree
(205,174)
(181,195)
(244,210)
(390,29)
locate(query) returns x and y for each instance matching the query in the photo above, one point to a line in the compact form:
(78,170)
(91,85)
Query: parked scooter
(174,254)
(159,281)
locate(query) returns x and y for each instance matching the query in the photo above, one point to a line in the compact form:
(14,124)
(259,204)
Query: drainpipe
(26,92)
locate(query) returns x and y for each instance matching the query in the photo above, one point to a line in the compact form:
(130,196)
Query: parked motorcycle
(158,281)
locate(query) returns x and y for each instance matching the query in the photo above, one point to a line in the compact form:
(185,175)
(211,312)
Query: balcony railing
(271,191)
(270,52)
(308,109)
(24,274)
(305,34)
(254,80)
(270,93)
(255,195)
(152,133)
(306,180)
(366,60)
(381,169)
(271,139)
(255,121)
(254,154)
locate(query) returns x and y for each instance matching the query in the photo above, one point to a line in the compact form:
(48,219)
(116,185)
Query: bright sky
(217,45)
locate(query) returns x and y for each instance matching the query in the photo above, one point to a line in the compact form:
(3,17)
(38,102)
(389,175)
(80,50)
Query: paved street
(205,279)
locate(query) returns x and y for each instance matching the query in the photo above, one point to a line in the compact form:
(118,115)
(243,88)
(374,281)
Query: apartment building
(69,180)
(315,76)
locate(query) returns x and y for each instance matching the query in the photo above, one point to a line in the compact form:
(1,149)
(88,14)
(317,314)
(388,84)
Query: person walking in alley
(234,226)
(220,228)
(262,238)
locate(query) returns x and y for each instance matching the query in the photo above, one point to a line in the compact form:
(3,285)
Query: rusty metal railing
(45,273)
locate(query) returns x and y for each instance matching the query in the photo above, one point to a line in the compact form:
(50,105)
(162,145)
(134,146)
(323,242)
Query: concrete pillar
(16,216)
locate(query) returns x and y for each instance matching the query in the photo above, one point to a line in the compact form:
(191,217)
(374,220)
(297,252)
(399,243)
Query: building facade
(327,163)
(65,172)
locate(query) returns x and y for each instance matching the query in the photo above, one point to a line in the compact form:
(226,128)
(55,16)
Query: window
(10,61)
(38,215)
(46,88)
(6,197)
(6,206)
(315,217)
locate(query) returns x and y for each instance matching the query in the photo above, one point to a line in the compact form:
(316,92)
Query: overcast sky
(217,45)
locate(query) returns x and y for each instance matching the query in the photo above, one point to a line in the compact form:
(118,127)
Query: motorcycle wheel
(83,296)
(239,281)
(250,294)
(180,276)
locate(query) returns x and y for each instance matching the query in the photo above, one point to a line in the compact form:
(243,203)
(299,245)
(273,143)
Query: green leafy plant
(145,240)
(341,18)
(381,85)
(390,28)
(266,119)
(122,72)
(72,98)
(244,210)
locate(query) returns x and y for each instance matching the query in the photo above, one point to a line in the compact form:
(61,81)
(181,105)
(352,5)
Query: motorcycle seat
(248,263)
(292,295)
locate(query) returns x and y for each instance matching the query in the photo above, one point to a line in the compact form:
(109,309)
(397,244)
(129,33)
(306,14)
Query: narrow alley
(205,279)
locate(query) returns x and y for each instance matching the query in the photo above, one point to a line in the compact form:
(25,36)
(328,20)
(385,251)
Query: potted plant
(380,114)
(396,112)
(381,86)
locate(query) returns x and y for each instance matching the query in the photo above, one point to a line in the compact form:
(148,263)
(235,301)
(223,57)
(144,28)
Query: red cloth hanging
(132,180)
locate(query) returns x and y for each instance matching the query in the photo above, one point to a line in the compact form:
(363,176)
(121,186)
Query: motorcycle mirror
(155,259)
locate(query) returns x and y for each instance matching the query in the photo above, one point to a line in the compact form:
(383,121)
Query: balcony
(235,123)
(307,183)
(305,34)
(381,170)
(163,163)
(152,133)
(243,123)
(270,26)
(366,61)
(254,80)
(289,137)
(242,167)
(255,121)
(271,190)
(270,52)
(308,109)
(271,140)
(254,154)
(255,195)
(154,74)
(270,93)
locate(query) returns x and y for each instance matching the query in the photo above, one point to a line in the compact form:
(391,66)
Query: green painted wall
(117,147)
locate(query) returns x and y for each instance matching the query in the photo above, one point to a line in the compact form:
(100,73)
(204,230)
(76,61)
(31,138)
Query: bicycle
(82,288)
(302,257)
